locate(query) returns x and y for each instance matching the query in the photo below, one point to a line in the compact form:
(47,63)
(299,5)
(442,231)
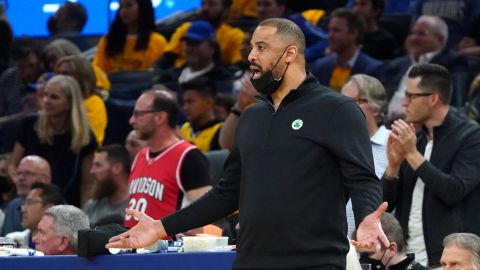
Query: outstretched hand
(370,236)
(145,233)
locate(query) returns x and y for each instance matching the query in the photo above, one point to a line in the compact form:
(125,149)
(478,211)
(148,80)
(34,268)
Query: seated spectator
(16,93)
(229,38)
(134,144)
(461,251)
(58,230)
(60,48)
(201,52)
(202,128)
(111,168)
(39,199)
(176,171)
(31,169)
(60,133)
(82,71)
(131,43)
(377,42)
(345,33)
(68,22)
(391,257)
(458,14)
(371,97)
(267,9)
(425,44)
(432,172)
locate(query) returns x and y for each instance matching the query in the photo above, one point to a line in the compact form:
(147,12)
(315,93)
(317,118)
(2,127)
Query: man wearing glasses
(169,170)
(39,199)
(31,169)
(432,177)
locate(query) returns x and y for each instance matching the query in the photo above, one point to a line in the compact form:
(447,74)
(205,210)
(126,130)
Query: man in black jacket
(432,177)
(297,154)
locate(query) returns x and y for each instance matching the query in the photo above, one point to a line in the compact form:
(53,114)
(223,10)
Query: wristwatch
(235,111)
(389,178)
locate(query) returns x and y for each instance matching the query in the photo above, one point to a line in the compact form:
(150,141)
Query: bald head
(31,169)
(39,165)
(287,31)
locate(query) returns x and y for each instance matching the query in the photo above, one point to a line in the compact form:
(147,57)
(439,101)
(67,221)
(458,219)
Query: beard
(103,189)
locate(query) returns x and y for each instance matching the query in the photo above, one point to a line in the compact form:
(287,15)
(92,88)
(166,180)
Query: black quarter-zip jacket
(290,174)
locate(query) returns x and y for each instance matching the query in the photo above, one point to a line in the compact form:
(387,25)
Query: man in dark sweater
(298,155)
(432,177)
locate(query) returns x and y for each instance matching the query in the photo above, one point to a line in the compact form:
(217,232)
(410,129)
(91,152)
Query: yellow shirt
(202,138)
(242,8)
(97,116)
(130,59)
(102,80)
(340,76)
(229,38)
(313,15)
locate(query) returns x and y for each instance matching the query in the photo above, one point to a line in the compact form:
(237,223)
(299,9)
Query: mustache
(256,65)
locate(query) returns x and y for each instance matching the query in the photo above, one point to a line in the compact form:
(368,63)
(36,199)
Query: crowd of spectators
(158,98)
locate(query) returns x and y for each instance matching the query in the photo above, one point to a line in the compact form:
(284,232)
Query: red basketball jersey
(154,184)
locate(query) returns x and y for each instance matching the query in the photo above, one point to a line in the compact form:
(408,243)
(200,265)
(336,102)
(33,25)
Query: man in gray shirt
(111,168)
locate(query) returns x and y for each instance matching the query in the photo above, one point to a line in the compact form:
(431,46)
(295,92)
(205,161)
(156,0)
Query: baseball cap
(200,31)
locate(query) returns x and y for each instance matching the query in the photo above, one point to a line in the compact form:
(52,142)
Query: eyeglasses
(410,96)
(140,113)
(29,202)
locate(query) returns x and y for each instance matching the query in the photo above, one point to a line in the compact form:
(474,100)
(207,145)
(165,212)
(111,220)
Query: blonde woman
(60,134)
(80,69)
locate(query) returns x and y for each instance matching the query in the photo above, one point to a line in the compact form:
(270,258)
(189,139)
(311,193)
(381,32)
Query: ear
(161,117)
(116,168)
(64,244)
(210,101)
(291,53)
(393,248)
(435,99)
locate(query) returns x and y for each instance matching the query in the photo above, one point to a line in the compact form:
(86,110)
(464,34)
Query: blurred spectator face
(213,11)
(128,11)
(197,107)
(422,39)
(33,209)
(46,240)
(142,119)
(64,69)
(29,68)
(28,172)
(340,37)
(102,170)
(134,144)
(55,102)
(351,90)
(50,59)
(269,9)
(455,257)
(199,54)
(365,9)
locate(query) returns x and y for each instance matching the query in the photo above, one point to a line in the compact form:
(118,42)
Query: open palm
(145,233)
